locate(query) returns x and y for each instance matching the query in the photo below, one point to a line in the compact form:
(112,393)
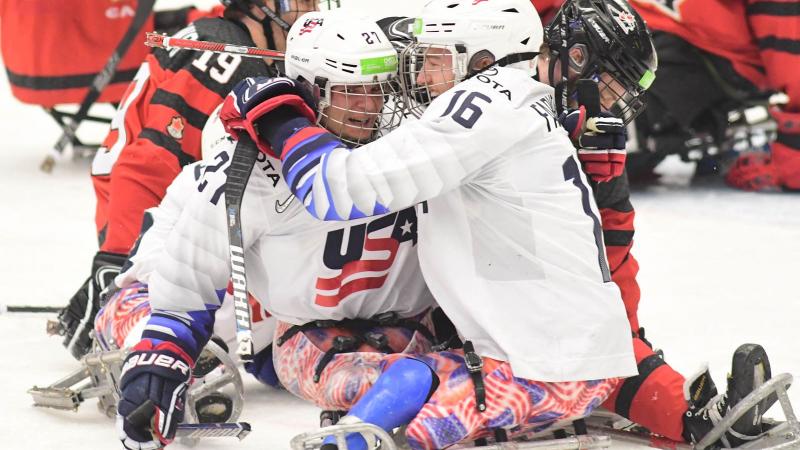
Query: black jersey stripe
(782,9)
(167,142)
(195,117)
(780,44)
(45,83)
(618,238)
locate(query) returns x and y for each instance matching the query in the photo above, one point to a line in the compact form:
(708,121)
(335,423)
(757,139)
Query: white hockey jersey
(510,241)
(299,268)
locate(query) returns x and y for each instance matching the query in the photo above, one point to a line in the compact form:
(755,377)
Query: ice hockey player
(656,397)
(157,131)
(716,55)
(357,192)
(309,274)
(490,160)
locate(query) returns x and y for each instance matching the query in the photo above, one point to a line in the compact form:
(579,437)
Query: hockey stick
(144,415)
(157,40)
(5,309)
(242,162)
(205,430)
(101,80)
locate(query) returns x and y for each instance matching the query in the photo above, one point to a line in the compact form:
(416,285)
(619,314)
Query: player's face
(354,110)
(437,71)
(611,90)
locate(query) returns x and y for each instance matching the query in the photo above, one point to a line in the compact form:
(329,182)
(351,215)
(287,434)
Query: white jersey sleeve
(460,132)
(156,225)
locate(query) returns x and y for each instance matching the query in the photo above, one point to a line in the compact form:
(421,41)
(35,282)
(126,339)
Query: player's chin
(359,128)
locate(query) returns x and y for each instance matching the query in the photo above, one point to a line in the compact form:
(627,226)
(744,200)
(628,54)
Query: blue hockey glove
(156,375)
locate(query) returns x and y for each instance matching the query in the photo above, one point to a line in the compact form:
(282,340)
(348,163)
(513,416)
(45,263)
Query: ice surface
(718,268)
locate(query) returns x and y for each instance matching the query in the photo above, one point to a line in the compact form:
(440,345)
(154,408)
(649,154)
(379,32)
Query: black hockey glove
(152,394)
(76,320)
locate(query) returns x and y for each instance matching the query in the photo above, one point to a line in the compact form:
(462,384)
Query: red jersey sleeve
(776,29)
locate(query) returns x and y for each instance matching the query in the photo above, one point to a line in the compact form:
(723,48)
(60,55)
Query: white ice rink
(718,268)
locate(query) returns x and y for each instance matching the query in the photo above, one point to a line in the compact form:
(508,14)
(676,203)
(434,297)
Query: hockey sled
(99,377)
(602,427)
(313,440)
(53,59)
(779,435)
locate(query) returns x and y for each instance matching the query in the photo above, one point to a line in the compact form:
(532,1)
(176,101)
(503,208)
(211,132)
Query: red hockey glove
(600,142)
(252,99)
(753,171)
(780,168)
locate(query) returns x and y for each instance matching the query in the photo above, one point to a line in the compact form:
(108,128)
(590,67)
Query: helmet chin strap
(562,86)
(509,59)
(266,23)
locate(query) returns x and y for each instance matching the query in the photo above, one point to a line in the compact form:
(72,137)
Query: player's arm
(461,131)
(188,280)
(775,29)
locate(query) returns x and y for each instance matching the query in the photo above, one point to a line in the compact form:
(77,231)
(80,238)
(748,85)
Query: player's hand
(76,320)
(600,141)
(252,100)
(152,394)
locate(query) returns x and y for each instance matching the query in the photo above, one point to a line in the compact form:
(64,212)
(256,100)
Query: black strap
(288,334)
(362,333)
(341,344)
(474,367)
(515,58)
(630,387)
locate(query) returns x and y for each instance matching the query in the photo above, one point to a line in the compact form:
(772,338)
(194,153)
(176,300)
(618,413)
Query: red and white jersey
(298,268)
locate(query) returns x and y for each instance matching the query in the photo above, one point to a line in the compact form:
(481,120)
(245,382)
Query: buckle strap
(292,331)
(341,344)
(474,366)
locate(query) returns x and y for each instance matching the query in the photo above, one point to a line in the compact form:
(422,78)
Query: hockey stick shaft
(160,41)
(101,80)
(242,162)
(29,309)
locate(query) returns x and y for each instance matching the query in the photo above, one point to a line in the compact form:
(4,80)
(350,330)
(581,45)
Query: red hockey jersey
(158,126)
(760,38)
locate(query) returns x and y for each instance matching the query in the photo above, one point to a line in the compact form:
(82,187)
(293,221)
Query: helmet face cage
(360,112)
(626,57)
(427,70)
(618,98)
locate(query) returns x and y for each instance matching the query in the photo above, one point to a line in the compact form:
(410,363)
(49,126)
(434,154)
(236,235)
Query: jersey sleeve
(156,226)
(461,131)
(776,29)
(162,129)
(189,276)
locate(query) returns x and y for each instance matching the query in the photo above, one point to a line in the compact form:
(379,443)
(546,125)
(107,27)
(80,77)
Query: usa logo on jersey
(362,259)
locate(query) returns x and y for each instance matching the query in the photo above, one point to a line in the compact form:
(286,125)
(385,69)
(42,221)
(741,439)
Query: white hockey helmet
(508,32)
(355,67)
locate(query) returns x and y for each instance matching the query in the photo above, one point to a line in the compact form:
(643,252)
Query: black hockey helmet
(614,40)
(272,13)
